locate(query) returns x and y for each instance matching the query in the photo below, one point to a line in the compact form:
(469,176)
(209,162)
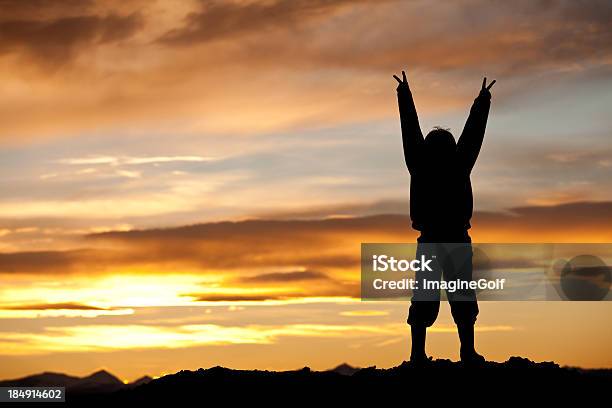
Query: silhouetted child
(441,205)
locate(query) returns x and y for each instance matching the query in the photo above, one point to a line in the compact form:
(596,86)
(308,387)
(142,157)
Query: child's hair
(440,141)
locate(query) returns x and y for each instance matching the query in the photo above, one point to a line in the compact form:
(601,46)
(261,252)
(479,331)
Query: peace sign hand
(403,83)
(485,90)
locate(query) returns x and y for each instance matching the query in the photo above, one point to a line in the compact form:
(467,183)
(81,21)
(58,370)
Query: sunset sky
(187,184)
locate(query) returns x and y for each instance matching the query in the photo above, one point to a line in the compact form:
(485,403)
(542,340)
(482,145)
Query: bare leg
(417,353)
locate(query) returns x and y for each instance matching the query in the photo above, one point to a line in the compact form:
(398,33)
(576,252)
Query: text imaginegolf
(449,286)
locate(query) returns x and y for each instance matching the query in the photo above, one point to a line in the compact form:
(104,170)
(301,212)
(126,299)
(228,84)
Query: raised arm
(412,137)
(472,136)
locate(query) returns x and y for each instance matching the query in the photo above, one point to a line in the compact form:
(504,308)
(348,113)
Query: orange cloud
(247,67)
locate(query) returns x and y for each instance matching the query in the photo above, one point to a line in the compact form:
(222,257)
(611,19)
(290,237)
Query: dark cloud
(568,213)
(42,9)
(226,19)
(265,243)
(254,235)
(236,298)
(276,277)
(588,217)
(261,230)
(348,290)
(350,210)
(318,246)
(53,306)
(55,41)
(65,262)
(507,37)
(510,38)
(299,51)
(40,262)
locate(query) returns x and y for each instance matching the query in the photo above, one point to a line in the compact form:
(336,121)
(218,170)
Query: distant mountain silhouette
(99,382)
(442,380)
(141,381)
(42,380)
(345,369)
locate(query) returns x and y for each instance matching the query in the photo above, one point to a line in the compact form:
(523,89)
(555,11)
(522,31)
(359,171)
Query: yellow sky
(272,287)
